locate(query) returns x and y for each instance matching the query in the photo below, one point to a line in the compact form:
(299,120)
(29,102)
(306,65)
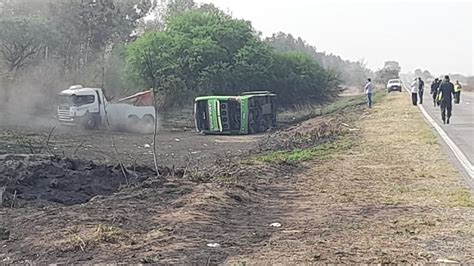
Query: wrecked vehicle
(90,109)
(249,113)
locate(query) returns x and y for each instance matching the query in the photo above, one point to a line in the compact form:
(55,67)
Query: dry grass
(392,198)
(404,152)
(82,238)
(304,112)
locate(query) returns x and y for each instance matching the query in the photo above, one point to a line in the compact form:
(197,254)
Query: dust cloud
(30,100)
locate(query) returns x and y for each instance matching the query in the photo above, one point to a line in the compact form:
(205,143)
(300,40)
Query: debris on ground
(4,234)
(447,261)
(277,225)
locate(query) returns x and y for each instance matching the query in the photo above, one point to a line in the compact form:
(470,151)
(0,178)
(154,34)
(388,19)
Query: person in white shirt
(414,91)
(369,89)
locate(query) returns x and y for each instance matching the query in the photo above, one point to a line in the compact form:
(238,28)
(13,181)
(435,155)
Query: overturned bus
(249,113)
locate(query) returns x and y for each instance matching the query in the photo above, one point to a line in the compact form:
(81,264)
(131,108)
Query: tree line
(177,47)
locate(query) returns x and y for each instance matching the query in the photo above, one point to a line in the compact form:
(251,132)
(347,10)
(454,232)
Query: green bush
(209,52)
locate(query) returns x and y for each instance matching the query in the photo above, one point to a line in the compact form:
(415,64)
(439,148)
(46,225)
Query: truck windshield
(76,100)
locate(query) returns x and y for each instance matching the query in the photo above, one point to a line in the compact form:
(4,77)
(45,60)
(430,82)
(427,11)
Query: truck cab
(82,106)
(249,113)
(89,108)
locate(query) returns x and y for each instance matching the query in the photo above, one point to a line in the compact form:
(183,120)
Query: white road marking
(466,164)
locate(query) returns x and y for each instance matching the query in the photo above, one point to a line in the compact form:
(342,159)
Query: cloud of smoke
(29,97)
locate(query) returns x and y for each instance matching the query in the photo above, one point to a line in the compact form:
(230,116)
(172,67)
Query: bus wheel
(265,124)
(253,127)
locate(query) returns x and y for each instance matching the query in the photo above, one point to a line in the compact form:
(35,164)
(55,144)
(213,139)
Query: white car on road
(394,85)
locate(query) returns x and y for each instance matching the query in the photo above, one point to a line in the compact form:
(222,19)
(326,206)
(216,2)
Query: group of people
(417,90)
(442,91)
(435,86)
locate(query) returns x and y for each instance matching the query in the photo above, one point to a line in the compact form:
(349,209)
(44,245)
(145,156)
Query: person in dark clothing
(421,88)
(437,90)
(414,92)
(445,97)
(434,90)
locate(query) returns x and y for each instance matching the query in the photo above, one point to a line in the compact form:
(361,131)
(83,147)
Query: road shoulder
(392,198)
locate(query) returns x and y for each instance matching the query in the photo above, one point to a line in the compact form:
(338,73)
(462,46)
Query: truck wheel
(90,122)
(147,124)
(132,123)
(148,120)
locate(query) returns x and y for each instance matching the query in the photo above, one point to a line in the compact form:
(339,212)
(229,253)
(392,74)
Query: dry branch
(46,142)
(155,131)
(78,147)
(122,168)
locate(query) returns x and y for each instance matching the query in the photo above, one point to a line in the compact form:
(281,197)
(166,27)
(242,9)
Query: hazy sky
(433,35)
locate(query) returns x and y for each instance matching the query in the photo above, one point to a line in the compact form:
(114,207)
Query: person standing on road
(434,90)
(445,93)
(421,89)
(439,84)
(414,91)
(457,92)
(369,89)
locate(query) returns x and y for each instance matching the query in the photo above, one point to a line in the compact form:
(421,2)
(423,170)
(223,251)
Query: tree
(163,11)
(300,79)
(418,72)
(393,65)
(427,75)
(391,70)
(470,81)
(22,38)
(76,35)
(86,29)
(209,52)
(351,73)
(283,42)
(10,8)
(424,74)
(199,51)
(208,8)
(175,7)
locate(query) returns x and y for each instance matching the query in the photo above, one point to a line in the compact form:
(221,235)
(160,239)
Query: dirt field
(355,186)
(174,147)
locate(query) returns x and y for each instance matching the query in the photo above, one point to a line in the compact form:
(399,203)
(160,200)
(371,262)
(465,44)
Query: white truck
(89,109)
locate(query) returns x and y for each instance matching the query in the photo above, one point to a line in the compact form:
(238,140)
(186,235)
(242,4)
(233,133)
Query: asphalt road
(461,128)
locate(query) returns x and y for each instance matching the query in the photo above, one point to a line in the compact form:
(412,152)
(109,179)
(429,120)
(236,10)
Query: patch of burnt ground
(45,180)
